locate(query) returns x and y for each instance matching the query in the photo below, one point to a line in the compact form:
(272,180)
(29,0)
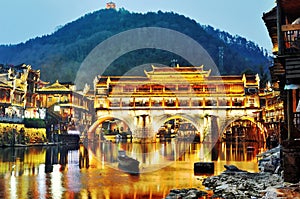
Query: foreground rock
(269,161)
(191,193)
(236,183)
(241,184)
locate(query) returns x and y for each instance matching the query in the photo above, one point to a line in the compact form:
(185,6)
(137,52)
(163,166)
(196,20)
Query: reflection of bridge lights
(56,182)
(13,185)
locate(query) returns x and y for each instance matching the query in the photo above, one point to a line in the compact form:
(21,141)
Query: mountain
(59,55)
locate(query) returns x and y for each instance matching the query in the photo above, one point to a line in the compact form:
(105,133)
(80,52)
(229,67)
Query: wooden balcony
(292,68)
(291,33)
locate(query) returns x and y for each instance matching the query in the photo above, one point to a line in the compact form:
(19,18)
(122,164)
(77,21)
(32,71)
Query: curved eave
(270,19)
(54,92)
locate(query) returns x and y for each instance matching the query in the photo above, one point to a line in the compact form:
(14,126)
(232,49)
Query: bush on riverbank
(11,134)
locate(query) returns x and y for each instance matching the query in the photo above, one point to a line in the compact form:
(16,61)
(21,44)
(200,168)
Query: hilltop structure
(111,5)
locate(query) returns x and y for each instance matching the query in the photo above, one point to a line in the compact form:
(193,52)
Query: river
(91,170)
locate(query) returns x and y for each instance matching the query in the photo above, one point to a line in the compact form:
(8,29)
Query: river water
(91,170)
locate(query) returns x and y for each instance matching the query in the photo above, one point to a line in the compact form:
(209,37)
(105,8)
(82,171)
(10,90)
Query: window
(170,102)
(184,103)
(197,103)
(198,88)
(223,102)
(237,102)
(170,88)
(251,102)
(157,88)
(143,88)
(156,103)
(183,87)
(210,89)
(128,89)
(115,103)
(211,103)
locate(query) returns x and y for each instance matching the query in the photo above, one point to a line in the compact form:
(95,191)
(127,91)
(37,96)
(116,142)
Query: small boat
(127,163)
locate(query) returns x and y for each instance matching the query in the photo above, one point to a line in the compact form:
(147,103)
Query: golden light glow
(275,48)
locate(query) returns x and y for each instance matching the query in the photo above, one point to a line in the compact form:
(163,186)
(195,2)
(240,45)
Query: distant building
(18,85)
(24,96)
(72,109)
(110,5)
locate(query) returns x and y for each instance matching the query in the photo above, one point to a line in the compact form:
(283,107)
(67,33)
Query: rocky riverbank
(239,184)
(236,183)
(190,193)
(242,184)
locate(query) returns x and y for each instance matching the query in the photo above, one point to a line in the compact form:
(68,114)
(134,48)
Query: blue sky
(25,19)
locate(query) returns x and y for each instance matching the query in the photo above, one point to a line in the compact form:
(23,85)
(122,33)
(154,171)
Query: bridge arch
(100,120)
(228,122)
(166,117)
(159,121)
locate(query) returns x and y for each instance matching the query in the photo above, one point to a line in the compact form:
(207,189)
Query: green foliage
(60,54)
(34,123)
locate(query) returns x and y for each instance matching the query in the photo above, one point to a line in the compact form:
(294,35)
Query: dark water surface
(91,170)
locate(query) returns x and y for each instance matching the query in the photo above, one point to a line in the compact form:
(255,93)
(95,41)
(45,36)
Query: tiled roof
(55,87)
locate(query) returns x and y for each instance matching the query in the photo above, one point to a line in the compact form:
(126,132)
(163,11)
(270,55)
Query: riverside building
(283,24)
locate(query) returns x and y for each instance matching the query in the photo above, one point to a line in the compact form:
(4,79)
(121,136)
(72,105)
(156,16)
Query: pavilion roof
(178,70)
(55,87)
(270,20)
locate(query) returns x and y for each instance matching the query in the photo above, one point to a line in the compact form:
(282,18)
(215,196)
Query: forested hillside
(59,55)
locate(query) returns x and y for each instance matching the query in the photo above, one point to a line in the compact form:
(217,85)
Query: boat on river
(127,163)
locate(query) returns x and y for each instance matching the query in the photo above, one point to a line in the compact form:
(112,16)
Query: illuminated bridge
(214,105)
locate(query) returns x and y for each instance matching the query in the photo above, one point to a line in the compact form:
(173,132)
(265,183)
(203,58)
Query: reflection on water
(91,171)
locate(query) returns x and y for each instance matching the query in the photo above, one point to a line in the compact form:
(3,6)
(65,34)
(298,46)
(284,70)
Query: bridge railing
(177,107)
(181,104)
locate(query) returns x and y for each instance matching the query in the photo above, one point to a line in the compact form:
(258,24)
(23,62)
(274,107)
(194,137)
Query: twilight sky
(21,20)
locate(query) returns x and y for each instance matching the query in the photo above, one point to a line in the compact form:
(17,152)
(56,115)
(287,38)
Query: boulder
(232,168)
(204,168)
